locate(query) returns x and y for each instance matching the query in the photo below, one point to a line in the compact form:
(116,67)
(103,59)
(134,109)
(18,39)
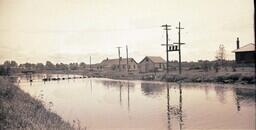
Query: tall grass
(19,110)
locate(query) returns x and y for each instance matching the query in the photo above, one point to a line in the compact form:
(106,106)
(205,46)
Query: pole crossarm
(179,43)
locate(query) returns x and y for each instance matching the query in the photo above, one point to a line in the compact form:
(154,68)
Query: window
(123,66)
(134,66)
(160,66)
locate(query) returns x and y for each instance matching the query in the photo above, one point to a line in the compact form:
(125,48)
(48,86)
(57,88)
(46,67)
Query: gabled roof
(110,62)
(246,48)
(155,59)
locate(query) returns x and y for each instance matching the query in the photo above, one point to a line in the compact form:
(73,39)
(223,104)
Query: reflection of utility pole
(179,44)
(128,96)
(127,61)
(168,107)
(119,59)
(120,94)
(180,105)
(91,86)
(167,55)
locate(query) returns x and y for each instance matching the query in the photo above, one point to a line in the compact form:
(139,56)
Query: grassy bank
(18,110)
(241,76)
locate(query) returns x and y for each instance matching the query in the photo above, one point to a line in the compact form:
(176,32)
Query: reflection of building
(244,94)
(152,64)
(245,54)
(152,88)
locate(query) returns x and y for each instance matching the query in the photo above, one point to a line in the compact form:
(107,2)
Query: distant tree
(3,70)
(216,66)
(13,64)
(206,65)
(7,64)
(82,65)
(9,67)
(39,66)
(29,66)
(221,54)
(73,66)
(49,65)
(61,66)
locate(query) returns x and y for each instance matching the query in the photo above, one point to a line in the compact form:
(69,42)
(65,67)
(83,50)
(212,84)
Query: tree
(73,66)
(221,54)
(49,65)
(39,66)
(13,64)
(82,65)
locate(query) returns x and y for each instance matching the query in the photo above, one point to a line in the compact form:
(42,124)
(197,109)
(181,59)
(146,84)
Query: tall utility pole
(127,61)
(167,55)
(119,59)
(179,44)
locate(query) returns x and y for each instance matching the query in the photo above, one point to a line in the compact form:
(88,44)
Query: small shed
(152,64)
(245,54)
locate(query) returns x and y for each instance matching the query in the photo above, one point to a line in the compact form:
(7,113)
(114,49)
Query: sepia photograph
(127,65)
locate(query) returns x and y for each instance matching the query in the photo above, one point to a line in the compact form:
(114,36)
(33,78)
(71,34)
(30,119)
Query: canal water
(105,104)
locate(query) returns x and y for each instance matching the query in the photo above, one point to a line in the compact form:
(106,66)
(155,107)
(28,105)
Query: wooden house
(152,64)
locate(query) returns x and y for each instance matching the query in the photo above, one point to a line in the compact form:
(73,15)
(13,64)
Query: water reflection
(168,107)
(152,89)
(173,110)
(245,96)
(221,93)
(112,104)
(128,95)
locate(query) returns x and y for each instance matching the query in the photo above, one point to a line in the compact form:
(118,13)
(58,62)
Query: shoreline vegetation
(245,75)
(18,110)
(225,78)
(202,71)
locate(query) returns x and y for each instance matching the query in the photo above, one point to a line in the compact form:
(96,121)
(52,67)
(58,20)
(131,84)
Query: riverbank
(240,77)
(18,110)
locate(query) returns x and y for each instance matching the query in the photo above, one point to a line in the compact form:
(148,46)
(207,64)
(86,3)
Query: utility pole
(179,46)
(167,55)
(127,61)
(119,59)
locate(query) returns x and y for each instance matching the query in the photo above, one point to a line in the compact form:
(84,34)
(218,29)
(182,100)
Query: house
(110,65)
(152,64)
(245,54)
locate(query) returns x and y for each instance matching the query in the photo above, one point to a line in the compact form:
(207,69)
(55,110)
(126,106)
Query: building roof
(246,48)
(155,59)
(110,62)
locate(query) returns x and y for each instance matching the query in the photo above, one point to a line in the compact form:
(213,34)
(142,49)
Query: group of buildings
(243,55)
(147,64)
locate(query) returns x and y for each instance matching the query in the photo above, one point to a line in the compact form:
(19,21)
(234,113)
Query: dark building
(245,54)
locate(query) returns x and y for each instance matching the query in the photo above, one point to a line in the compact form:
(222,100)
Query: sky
(73,30)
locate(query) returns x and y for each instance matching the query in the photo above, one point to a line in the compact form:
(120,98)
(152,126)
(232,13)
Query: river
(106,104)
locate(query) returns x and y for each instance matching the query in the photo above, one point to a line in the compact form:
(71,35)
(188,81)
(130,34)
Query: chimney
(107,59)
(237,43)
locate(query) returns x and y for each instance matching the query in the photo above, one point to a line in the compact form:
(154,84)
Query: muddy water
(104,104)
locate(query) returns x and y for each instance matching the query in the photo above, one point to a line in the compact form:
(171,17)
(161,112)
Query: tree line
(11,66)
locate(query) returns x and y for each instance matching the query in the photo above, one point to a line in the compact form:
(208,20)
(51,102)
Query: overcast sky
(72,30)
